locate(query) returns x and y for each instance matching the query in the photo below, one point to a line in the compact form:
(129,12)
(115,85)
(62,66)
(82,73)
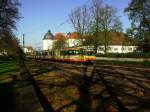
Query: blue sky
(41,15)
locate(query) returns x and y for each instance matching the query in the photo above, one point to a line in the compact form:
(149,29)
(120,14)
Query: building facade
(28,49)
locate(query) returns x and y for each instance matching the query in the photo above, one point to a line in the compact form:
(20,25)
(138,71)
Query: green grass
(7,69)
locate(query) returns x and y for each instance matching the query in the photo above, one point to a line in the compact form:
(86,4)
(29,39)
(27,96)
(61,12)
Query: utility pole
(23,39)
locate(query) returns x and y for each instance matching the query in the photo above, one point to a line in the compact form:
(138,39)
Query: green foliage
(138,11)
(59,44)
(125,55)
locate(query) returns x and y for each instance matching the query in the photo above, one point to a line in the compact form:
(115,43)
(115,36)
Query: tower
(48,41)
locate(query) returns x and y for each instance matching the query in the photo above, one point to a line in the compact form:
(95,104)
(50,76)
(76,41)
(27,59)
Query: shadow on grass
(7,99)
(113,91)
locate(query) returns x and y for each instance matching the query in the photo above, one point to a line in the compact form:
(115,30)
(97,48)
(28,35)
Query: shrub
(125,55)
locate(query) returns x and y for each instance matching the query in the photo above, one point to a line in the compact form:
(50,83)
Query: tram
(78,54)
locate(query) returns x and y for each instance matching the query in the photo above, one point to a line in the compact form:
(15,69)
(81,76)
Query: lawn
(7,69)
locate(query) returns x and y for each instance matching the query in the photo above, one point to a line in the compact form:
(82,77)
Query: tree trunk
(95,49)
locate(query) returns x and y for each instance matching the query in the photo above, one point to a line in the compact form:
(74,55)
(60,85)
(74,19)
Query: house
(72,39)
(119,43)
(28,49)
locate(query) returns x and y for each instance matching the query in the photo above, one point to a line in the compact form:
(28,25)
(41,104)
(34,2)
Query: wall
(118,49)
(47,44)
(72,42)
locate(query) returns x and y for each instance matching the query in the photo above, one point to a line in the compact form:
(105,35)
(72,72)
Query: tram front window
(73,52)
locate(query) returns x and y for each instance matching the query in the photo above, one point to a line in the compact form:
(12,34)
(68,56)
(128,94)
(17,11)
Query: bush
(125,55)
(5,58)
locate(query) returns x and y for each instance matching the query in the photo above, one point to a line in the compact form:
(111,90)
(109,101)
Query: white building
(72,40)
(48,41)
(117,49)
(120,43)
(28,49)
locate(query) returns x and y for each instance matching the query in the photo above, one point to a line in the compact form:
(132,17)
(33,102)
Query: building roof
(118,38)
(59,36)
(72,35)
(29,47)
(48,36)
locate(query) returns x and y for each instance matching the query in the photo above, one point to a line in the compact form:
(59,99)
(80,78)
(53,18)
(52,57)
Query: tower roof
(48,35)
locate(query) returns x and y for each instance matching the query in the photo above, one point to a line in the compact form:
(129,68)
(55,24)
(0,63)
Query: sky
(39,16)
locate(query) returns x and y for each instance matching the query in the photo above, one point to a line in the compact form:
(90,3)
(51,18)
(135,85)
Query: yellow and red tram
(77,54)
(72,55)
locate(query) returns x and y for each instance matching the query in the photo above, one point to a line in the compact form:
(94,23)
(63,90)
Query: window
(122,48)
(130,49)
(115,49)
(109,48)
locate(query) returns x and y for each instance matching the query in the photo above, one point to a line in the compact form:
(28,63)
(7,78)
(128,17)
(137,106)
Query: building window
(122,48)
(109,48)
(115,49)
(130,49)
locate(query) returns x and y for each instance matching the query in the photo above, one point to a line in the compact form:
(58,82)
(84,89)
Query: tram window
(70,52)
(76,52)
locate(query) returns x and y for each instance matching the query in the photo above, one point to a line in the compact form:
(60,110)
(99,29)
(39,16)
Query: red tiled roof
(29,47)
(73,35)
(120,39)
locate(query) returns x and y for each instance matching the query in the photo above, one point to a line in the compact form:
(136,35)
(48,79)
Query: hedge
(125,55)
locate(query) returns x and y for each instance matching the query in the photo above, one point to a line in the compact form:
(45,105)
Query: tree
(138,12)
(79,19)
(9,14)
(104,21)
(60,42)
(117,26)
(94,37)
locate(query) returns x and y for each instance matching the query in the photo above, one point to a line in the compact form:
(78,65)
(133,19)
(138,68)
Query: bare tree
(79,19)
(9,14)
